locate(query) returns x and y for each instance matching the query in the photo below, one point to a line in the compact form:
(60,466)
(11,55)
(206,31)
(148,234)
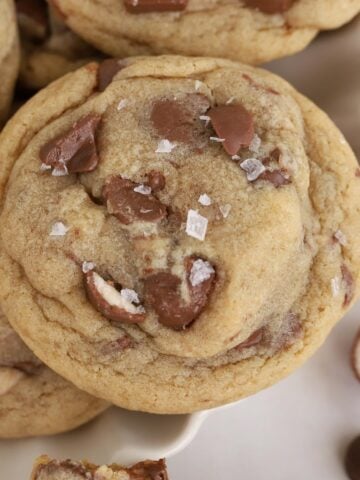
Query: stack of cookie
(176,232)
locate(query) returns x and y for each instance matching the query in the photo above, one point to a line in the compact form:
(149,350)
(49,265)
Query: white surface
(298,429)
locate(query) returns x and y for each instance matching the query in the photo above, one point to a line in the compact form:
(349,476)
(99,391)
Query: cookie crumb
(196,225)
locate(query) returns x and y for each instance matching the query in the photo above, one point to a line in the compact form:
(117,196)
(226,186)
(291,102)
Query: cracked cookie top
(33,399)
(189,226)
(251,31)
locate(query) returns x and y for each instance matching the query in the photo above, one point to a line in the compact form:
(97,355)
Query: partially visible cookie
(33,399)
(9,56)
(48,469)
(49,48)
(252,31)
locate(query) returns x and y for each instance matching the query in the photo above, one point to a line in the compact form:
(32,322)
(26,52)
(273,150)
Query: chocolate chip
(130,206)
(276,177)
(163,294)
(352,459)
(107,71)
(234,124)
(111,301)
(349,283)
(156,181)
(149,470)
(75,150)
(178,120)
(147,6)
(270,6)
(254,340)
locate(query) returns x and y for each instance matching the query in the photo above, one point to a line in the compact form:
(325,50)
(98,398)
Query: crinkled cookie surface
(177,233)
(252,31)
(33,399)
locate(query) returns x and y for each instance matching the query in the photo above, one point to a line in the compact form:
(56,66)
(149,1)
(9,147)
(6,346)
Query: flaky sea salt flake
(230,100)
(88,266)
(143,189)
(206,119)
(255,144)
(60,171)
(196,225)
(165,146)
(235,157)
(122,104)
(197,85)
(58,230)
(225,210)
(253,168)
(201,271)
(340,237)
(335,286)
(130,295)
(217,139)
(205,200)
(44,167)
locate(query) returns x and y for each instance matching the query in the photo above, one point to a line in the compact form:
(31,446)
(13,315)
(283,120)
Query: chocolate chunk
(349,283)
(33,19)
(270,6)
(352,459)
(255,339)
(178,120)
(130,206)
(156,181)
(234,124)
(147,6)
(107,71)
(149,470)
(276,177)
(112,301)
(163,294)
(357,172)
(56,469)
(75,150)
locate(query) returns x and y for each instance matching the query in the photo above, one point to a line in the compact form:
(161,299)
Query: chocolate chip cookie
(252,31)
(177,233)
(48,469)
(33,399)
(49,48)
(9,56)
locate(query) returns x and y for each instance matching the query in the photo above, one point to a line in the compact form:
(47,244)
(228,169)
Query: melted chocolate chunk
(162,293)
(270,6)
(255,339)
(291,332)
(149,470)
(147,6)
(107,71)
(116,346)
(75,150)
(357,172)
(107,299)
(276,177)
(156,181)
(234,124)
(352,460)
(349,282)
(178,120)
(130,206)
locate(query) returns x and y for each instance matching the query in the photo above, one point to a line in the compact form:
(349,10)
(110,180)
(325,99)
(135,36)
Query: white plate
(116,436)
